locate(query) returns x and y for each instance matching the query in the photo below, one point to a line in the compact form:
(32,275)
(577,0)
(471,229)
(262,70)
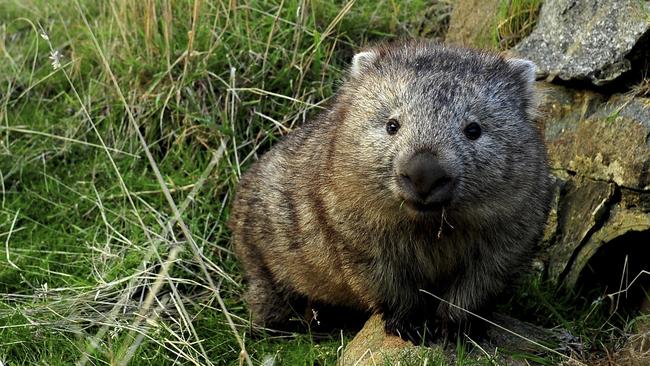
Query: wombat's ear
(525,68)
(361,61)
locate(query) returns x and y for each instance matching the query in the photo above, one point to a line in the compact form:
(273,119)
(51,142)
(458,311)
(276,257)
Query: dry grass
(515,20)
(124,129)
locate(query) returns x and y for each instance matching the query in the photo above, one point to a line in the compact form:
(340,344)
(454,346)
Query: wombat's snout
(423,180)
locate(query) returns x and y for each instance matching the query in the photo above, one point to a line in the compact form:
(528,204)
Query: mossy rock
(599,151)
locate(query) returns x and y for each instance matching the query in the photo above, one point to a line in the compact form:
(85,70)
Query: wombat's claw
(409,331)
(451,332)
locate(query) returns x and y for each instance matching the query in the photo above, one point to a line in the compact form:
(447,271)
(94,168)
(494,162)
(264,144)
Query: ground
(124,128)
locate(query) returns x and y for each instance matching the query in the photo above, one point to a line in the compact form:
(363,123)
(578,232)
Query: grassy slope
(85,224)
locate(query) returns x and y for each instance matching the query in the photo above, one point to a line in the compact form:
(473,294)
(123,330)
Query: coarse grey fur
(324,217)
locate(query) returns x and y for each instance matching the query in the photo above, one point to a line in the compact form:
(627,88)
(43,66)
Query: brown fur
(319,218)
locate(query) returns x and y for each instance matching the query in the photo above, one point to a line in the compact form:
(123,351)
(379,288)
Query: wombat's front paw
(452,331)
(435,331)
(416,331)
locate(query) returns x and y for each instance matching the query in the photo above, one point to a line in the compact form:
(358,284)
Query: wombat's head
(429,126)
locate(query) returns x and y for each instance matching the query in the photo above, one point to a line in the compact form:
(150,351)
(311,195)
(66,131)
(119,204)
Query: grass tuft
(516,19)
(124,128)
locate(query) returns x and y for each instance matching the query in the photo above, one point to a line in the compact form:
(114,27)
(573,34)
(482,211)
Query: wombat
(426,175)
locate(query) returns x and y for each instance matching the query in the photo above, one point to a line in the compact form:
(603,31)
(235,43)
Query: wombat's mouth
(424,208)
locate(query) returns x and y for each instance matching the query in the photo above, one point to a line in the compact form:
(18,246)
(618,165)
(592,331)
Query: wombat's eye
(472,131)
(392,126)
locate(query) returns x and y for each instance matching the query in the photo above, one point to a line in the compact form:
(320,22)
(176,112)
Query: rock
(586,39)
(619,223)
(599,151)
(608,142)
(371,346)
(472,23)
(582,205)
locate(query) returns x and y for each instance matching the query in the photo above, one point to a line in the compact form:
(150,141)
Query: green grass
(515,20)
(156,102)
(93,226)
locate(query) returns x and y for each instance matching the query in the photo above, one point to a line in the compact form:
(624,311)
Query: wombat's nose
(425,177)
